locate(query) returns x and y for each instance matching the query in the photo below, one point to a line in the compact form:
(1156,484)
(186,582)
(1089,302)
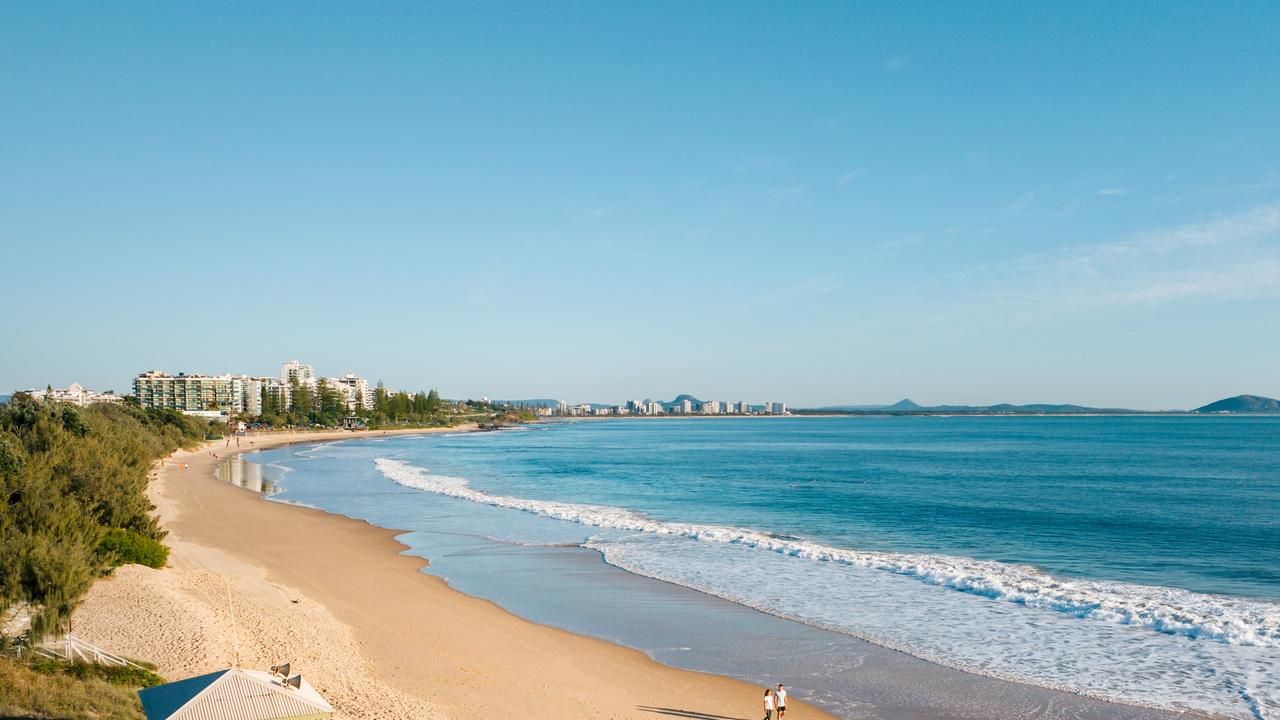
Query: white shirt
(768,702)
(782,697)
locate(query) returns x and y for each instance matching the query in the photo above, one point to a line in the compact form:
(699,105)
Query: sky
(815,203)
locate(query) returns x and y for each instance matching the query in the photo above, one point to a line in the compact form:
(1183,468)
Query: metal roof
(233,694)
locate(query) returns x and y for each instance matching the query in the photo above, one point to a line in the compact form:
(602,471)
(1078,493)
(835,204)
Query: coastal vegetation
(49,689)
(73,502)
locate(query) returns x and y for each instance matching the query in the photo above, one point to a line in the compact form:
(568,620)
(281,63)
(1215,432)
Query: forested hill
(72,499)
(1242,404)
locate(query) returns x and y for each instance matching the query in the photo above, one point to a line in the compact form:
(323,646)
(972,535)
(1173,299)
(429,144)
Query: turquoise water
(1132,558)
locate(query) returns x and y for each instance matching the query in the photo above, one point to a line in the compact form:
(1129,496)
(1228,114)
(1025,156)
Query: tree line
(327,406)
(73,499)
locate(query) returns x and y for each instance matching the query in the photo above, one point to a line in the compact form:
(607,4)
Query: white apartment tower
(356,389)
(294,370)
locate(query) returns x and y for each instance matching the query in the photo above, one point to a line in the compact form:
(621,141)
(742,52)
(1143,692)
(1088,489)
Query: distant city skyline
(823,204)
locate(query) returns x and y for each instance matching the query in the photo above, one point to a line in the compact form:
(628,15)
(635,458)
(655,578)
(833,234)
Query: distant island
(1238,404)
(1242,404)
(907,406)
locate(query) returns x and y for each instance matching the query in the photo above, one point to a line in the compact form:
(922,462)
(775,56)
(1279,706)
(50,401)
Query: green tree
(68,477)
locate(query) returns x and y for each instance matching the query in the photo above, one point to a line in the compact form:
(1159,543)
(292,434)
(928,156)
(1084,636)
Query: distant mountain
(904,405)
(907,406)
(682,397)
(535,403)
(1242,404)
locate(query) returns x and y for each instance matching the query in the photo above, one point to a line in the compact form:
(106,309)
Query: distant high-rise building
(686,407)
(294,370)
(775,408)
(356,390)
(711,407)
(189,393)
(744,408)
(251,392)
(653,408)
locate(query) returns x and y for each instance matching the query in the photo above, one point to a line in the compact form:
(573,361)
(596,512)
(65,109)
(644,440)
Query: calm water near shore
(1133,558)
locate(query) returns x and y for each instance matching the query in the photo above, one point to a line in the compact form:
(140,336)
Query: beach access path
(261,583)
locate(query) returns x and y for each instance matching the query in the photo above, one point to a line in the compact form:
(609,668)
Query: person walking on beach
(781,694)
(768,704)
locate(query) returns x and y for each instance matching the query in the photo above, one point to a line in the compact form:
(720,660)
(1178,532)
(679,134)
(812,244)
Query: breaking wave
(1165,610)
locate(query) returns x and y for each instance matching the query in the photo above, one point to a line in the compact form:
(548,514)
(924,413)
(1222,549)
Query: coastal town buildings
(76,394)
(683,406)
(243,394)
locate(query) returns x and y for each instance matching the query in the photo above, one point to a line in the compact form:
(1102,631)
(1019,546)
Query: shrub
(126,546)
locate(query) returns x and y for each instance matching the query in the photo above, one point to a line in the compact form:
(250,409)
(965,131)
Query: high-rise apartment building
(294,370)
(189,393)
(356,390)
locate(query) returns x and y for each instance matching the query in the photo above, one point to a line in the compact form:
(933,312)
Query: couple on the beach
(775,699)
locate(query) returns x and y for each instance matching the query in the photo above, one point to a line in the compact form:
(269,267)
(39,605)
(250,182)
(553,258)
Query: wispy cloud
(901,242)
(789,191)
(1113,191)
(1233,257)
(804,288)
(848,177)
(758,162)
(897,63)
(1019,205)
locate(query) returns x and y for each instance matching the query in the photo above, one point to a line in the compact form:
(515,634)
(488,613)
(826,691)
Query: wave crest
(1166,610)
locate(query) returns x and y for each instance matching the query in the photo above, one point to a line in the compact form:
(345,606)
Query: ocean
(1134,559)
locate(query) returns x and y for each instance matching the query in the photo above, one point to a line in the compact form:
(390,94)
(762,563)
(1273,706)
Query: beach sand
(263,583)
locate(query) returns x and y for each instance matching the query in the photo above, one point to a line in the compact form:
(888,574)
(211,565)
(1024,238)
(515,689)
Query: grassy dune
(54,691)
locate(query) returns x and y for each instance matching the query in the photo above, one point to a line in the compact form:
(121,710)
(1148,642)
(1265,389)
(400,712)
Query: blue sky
(809,202)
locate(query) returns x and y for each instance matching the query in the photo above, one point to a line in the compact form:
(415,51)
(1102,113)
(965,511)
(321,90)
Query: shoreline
(895,681)
(379,637)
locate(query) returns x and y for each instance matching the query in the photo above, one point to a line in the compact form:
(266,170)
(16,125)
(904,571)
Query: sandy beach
(260,583)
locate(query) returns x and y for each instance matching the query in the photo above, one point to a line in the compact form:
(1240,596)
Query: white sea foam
(1173,611)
